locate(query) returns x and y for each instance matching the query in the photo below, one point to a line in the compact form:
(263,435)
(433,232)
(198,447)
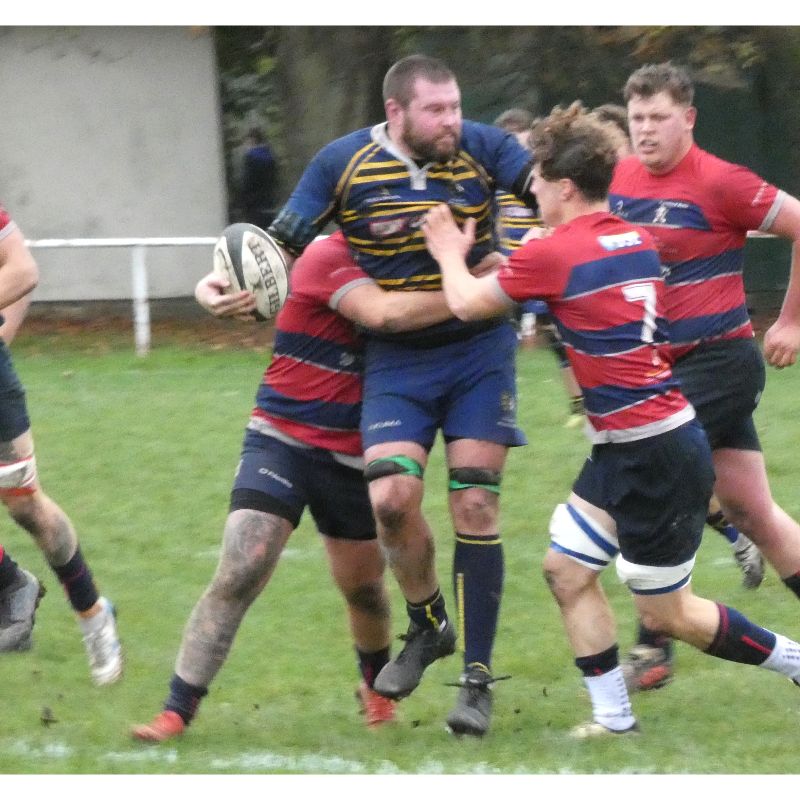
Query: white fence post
(141,306)
(139,276)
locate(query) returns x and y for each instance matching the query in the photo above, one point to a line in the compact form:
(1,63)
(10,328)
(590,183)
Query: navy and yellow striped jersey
(514,220)
(378,197)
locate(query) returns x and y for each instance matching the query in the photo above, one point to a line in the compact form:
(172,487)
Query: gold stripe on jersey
(510,244)
(366,174)
(417,236)
(515,223)
(388,209)
(456,172)
(342,186)
(424,283)
(414,243)
(478,169)
(480,211)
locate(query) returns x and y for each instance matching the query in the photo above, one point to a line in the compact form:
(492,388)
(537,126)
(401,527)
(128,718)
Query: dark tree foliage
(307,85)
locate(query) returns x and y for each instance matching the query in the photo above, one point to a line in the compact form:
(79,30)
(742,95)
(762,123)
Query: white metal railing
(139,275)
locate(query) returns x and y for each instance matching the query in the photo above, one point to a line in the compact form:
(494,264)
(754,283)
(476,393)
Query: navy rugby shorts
(14,420)
(724,381)
(657,491)
(466,389)
(281,479)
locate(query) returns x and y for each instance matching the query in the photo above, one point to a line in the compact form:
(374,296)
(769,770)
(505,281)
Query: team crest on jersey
(619,241)
(518,211)
(660,217)
(384,228)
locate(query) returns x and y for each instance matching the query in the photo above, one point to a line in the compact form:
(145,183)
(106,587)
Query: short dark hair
(654,78)
(575,143)
(514,120)
(398,84)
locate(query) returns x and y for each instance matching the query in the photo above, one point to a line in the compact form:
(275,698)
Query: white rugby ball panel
(249,259)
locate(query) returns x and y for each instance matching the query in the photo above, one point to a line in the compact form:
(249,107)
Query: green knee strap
(474,478)
(393,465)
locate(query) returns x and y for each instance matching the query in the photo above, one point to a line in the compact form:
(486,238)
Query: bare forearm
(13,316)
(790,308)
(19,273)
(409,311)
(467,296)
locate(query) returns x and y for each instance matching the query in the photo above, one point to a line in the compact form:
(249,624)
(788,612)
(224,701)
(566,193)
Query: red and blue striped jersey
(601,279)
(699,215)
(311,389)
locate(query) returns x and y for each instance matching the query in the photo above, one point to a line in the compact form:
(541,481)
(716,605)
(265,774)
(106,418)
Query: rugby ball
(250,260)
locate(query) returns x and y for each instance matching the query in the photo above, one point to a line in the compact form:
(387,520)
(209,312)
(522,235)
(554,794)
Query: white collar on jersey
(417,175)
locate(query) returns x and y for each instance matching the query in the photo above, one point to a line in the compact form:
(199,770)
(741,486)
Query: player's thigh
(482,399)
(657,490)
(339,502)
(272,477)
(14,420)
(724,383)
(252,543)
(742,486)
(581,532)
(403,394)
(18,477)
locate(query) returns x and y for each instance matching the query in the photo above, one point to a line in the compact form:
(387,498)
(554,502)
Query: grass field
(141,452)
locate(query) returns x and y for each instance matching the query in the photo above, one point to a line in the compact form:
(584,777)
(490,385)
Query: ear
(393,109)
(690,116)
(567,189)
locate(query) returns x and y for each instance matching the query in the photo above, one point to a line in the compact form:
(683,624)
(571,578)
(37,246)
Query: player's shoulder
(717,169)
(726,182)
(347,145)
(324,254)
(480,135)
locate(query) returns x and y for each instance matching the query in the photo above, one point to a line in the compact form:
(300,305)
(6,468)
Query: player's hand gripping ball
(250,260)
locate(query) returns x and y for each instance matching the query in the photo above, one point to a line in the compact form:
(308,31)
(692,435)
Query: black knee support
(393,465)
(474,478)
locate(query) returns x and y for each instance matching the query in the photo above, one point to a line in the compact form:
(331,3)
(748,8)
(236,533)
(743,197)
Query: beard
(440,149)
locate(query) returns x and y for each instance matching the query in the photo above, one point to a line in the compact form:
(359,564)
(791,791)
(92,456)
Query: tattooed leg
(32,509)
(252,544)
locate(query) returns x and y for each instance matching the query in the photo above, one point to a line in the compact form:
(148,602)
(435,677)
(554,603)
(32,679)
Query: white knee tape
(575,535)
(18,474)
(643,579)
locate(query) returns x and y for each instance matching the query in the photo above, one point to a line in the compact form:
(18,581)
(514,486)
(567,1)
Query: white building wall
(111,132)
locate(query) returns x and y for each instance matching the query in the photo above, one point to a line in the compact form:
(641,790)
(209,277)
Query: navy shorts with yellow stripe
(466,389)
(281,479)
